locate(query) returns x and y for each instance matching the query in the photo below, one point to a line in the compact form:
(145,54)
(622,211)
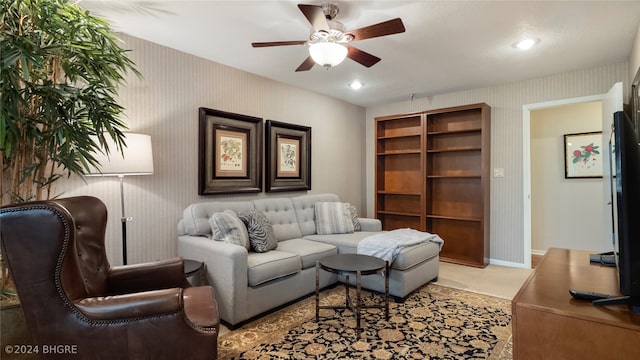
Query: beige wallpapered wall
(164,104)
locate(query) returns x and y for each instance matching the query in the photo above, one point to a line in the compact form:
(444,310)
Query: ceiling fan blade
(306,65)
(362,57)
(315,15)
(278,43)
(388,27)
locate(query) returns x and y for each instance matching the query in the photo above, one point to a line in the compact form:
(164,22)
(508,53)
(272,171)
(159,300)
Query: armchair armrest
(136,305)
(369,224)
(163,274)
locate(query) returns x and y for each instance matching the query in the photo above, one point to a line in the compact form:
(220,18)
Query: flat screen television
(625,209)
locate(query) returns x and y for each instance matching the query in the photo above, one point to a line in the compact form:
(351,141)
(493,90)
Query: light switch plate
(498,172)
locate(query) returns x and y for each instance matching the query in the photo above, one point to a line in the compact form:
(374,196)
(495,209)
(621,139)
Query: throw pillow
(260,230)
(333,218)
(354,218)
(227,227)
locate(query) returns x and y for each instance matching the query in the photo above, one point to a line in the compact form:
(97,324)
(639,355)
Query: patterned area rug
(434,322)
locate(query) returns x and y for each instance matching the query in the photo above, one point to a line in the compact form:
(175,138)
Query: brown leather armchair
(77,306)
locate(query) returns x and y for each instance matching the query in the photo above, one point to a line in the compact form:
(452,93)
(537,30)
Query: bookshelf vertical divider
(432,174)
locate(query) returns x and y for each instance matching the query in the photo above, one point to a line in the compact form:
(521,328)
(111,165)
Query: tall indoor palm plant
(60,68)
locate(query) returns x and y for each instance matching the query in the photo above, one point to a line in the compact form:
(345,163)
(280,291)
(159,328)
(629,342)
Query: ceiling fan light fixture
(327,54)
(355,85)
(526,44)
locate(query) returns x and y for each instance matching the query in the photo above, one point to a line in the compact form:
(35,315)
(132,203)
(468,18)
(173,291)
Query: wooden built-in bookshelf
(400,181)
(432,174)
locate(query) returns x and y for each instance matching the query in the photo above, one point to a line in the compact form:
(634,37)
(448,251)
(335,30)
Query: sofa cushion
(346,243)
(309,251)
(407,258)
(282,216)
(368,224)
(305,210)
(227,227)
(260,231)
(333,218)
(414,255)
(267,266)
(195,217)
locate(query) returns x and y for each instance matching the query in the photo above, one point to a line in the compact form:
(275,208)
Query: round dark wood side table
(194,271)
(358,265)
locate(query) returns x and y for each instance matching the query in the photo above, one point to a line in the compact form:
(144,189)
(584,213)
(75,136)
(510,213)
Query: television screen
(625,181)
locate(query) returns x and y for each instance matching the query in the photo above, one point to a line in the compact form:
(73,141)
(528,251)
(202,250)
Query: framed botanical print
(288,157)
(229,153)
(583,155)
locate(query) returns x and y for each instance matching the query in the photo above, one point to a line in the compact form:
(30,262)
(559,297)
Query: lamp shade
(136,160)
(327,54)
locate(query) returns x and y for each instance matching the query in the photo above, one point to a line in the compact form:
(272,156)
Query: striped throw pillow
(354,218)
(333,218)
(260,230)
(227,227)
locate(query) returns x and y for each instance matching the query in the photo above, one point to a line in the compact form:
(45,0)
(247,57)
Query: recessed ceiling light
(526,44)
(355,85)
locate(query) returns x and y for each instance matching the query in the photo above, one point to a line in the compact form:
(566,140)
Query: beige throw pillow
(333,218)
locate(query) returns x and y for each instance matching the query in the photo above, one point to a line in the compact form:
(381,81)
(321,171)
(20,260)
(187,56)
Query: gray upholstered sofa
(249,283)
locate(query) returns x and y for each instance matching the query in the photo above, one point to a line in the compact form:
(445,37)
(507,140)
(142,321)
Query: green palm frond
(60,69)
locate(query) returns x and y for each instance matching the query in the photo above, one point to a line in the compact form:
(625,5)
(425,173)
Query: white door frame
(526,160)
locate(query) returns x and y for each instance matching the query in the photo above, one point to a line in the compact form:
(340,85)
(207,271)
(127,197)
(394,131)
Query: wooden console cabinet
(549,324)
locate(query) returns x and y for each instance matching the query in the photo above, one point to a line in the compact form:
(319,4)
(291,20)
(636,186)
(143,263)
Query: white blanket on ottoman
(387,245)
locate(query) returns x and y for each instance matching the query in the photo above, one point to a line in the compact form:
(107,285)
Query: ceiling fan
(329,41)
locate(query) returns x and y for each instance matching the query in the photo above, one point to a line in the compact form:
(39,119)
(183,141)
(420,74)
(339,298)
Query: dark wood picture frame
(288,157)
(583,155)
(229,153)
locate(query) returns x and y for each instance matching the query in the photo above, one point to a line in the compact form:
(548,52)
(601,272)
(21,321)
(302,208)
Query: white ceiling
(448,45)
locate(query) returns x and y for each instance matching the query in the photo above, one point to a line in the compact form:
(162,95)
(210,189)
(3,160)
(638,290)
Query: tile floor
(499,281)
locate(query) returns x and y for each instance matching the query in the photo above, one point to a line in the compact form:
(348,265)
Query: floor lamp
(137,159)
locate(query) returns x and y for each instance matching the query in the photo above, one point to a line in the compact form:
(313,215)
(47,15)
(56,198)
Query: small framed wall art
(288,157)
(229,153)
(583,155)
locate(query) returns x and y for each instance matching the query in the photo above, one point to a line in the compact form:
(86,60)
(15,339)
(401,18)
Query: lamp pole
(124,219)
(136,159)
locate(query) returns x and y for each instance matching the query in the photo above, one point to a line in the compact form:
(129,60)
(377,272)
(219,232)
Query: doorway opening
(527,163)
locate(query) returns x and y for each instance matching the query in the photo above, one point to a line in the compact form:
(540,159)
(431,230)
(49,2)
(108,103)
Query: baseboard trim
(507,263)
